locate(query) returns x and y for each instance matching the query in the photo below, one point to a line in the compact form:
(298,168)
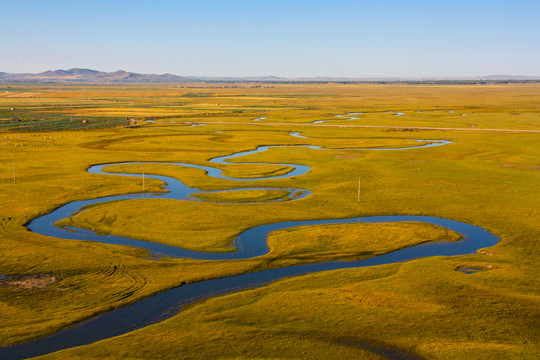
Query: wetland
(236,220)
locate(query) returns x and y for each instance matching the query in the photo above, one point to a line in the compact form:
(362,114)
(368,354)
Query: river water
(250,243)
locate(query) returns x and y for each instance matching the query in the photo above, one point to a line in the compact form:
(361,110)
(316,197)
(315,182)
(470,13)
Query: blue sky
(378,38)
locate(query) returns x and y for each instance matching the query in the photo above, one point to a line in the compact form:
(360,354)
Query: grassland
(243,196)
(426,307)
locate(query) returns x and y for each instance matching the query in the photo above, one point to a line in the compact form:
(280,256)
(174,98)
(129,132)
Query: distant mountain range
(120,76)
(91,76)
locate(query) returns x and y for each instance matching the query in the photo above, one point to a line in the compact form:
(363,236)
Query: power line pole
(359,189)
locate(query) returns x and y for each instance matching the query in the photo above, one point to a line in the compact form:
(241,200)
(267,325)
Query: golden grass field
(488,176)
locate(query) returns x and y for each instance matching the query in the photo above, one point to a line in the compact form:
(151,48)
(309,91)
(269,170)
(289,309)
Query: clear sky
(290,38)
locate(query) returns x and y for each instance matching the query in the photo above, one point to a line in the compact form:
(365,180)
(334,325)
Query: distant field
(50,135)
(56,107)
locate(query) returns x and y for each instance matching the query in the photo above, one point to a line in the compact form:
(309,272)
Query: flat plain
(487,175)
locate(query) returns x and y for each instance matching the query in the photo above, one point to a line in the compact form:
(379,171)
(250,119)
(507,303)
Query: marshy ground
(422,307)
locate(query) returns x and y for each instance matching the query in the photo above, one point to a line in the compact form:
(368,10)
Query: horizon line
(292,78)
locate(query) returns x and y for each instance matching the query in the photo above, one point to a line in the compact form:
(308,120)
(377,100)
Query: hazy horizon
(389,78)
(343,39)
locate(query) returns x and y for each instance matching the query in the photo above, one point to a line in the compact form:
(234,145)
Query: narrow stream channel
(250,243)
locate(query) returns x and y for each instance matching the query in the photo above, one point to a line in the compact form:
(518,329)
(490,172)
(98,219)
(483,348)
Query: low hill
(94,76)
(91,76)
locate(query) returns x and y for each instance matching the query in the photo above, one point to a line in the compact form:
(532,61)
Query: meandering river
(250,243)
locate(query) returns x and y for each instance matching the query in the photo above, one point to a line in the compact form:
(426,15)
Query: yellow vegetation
(489,179)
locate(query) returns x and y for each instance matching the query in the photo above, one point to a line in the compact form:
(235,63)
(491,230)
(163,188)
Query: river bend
(250,243)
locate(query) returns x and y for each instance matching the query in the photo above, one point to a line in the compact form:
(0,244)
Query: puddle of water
(473,269)
(297,134)
(533,168)
(348,116)
(469,270)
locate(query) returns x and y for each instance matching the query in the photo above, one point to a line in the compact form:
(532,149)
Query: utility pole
(359,189)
